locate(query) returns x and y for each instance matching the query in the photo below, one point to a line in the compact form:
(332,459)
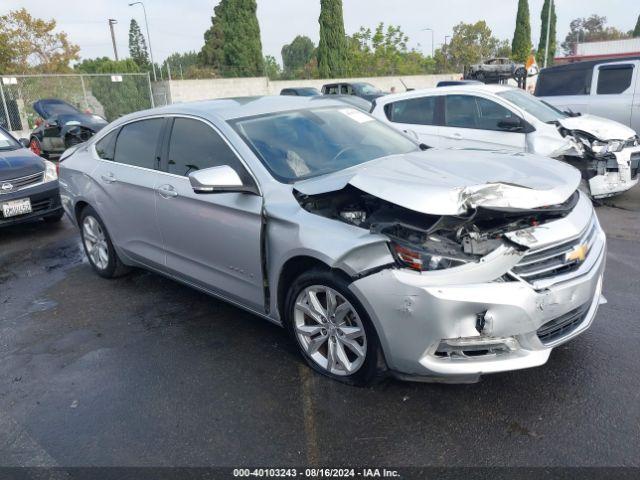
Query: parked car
(607,88)
(61,126)
(300,91)
(607,153)
(28,184)
(359,89)
(439,264)
(451,83)
(496,69)
(353,101)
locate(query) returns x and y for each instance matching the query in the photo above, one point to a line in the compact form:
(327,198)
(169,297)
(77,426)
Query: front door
(476,122)
(211,240)
(125,195)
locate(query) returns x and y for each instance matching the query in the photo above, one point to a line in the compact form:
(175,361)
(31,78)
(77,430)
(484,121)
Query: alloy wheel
(95,241)
(329,330)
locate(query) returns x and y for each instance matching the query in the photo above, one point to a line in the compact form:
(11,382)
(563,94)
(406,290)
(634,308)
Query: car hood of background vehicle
(93,122)
(601,128)
(19,163)
(451,182)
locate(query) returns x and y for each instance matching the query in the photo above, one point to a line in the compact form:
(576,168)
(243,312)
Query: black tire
(480,76)
(55,218)
(114,267)
(366,373)
(35,145)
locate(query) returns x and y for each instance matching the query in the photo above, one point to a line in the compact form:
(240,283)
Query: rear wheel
(35,146)
(331,328)
(98,247)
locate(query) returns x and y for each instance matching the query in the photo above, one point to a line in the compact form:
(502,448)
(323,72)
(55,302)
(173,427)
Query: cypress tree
(544,16)
(521,45)
(636,31)
(332,50)
(138,45)
(232,44)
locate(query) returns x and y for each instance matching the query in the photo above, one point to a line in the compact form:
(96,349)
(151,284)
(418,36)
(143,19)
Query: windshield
(7,142)
(530,104)
(366,89)
(57,107)
(306,143)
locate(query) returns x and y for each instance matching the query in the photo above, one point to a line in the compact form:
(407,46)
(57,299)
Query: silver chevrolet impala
(375,252)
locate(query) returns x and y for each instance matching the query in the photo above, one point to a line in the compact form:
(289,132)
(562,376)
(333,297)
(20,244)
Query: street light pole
(445,50)
(432,41)
(146,22)
(112,22)
(546,45)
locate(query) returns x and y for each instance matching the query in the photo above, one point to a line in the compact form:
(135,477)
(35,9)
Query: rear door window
(137,144)
(559,82)
(106,146)
(416,111)
(614,79)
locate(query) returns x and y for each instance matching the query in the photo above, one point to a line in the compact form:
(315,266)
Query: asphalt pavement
(142,371)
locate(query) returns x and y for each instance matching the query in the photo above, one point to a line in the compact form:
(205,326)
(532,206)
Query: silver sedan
(375,252)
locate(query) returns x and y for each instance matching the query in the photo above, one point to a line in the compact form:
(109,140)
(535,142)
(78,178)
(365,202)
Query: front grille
(39,206)
(21,182)
(635,165)
(563,325)
(551,261)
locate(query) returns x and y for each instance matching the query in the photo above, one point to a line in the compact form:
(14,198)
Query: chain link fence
(107,95)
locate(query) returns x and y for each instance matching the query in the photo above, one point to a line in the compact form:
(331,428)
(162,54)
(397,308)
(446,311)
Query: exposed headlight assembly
(50,172)
(421,260)
(600,148)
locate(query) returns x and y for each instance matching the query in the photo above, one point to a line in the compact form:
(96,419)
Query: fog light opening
(474,347)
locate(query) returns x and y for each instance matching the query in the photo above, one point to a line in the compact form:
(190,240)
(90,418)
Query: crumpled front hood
(450,182)
(601,128)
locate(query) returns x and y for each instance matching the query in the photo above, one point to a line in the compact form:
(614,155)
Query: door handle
(455,136)
(167,191)
(110,178)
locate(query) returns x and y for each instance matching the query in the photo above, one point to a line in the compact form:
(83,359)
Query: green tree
(232,43)
(544,19)
(636,31)
(470,43)
(272,68)
(29,44)
(297,54)
(138,45)
(116,98)
(186,65)
(521,44)
(332,50)
(589,29)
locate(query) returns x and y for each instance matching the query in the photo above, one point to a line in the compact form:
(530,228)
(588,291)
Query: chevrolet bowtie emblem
(578,254)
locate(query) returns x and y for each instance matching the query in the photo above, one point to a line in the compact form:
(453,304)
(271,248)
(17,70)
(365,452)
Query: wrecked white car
(437,265)
(606,153)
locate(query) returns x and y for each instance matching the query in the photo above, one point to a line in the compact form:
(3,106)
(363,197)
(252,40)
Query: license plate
(16,207)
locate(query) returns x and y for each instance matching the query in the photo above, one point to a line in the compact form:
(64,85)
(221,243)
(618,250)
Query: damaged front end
(608,166)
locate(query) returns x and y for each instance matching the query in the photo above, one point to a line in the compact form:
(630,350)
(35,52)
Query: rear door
(417,117)
(126,177)
(475,122)
(613,90)
(211,240)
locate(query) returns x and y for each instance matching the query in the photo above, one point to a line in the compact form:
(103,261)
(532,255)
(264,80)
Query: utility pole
(546,45)
(146,22)
(445,50)
(431,30)
(112,22)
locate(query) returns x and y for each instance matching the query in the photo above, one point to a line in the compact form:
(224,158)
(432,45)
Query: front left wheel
(331,328)
(98,246)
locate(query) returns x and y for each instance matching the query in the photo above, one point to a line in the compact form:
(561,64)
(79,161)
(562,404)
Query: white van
(607,88)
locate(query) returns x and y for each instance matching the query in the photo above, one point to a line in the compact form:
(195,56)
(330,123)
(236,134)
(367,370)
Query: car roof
(587,64)
(239,107)
(466,88)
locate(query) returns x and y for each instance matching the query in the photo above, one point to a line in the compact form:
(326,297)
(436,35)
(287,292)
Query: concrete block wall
(192,90)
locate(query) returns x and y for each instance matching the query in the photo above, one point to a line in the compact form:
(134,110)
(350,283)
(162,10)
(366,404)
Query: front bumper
(415,314)
(45,201)
(621,174)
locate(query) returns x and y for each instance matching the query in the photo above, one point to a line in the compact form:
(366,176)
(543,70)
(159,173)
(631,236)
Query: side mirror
(218,180)
(24,142)
(511,125)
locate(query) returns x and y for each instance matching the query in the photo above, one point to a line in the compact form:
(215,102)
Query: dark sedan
(61,126)
(28,184)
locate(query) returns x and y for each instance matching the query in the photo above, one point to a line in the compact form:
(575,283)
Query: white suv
(499,117)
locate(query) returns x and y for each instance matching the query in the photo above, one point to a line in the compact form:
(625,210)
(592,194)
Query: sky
(178,25)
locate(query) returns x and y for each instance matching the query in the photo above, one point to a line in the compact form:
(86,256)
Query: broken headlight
(422,261)
(600,148)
